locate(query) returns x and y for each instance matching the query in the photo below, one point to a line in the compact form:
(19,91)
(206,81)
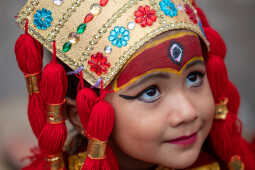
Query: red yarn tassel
(85,100)
(226,135)
(29,54)
(53,89)
(100,127)
(221,135)
(217,44)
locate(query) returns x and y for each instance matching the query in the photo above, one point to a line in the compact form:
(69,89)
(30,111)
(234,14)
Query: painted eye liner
(138,95)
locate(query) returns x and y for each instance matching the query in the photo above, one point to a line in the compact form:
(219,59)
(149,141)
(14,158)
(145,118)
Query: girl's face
(164,116)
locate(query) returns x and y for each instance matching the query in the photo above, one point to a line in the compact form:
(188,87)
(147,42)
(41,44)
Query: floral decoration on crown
(102,35)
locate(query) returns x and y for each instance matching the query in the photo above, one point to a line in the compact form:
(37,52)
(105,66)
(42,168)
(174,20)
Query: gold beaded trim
(222,109)
(56,162)
(52,35)
(21,20)
(32,82)
(105,28)
(56,113)
(96,149)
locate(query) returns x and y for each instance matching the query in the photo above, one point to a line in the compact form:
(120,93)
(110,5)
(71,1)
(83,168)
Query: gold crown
(101,35)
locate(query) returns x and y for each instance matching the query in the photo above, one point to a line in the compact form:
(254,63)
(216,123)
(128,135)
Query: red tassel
(217,76)
(221,131)
(29,54)
(85,100)
(53,89)
(112,159)
(225,135)
(217,44)
(100,127)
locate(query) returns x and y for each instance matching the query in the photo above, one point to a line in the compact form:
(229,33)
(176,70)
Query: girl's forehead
(170,53)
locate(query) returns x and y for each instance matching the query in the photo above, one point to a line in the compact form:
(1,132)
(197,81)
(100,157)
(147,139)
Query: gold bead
(73,38)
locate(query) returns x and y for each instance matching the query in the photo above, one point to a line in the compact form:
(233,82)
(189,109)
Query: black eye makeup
(195,79)
(148,95)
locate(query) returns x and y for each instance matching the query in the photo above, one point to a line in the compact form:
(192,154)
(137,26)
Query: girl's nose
(182,111)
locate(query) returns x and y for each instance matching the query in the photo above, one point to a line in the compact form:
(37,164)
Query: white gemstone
(95,9)
(180,7)
(58,2)
(131,25)
(108,49)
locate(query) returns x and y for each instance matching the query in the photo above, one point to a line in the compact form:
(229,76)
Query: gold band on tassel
(56,113)
(96,149)
(32,82)
(235,163)
(222,109)
(56,162)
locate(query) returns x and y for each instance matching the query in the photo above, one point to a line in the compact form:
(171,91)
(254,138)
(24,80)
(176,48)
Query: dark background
(234,19)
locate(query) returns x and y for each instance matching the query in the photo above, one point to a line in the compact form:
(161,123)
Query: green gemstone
(81,28)
(67,46)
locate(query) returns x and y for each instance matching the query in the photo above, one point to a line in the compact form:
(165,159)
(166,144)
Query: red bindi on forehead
(171,52)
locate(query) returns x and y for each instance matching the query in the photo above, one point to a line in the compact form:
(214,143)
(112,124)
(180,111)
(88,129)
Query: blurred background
(234,20)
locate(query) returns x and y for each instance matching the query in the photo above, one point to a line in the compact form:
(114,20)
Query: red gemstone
(103,2)
(88,18)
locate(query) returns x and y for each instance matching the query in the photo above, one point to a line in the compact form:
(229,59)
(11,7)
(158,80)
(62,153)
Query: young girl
(156,93)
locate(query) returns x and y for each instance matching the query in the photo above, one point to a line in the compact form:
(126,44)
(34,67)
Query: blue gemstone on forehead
(175,52)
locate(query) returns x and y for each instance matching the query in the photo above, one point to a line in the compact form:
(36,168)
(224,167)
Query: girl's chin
(185,160)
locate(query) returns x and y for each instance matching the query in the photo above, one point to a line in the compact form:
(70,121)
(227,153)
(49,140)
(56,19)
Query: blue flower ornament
(119,36)
(43,19)
(168,8)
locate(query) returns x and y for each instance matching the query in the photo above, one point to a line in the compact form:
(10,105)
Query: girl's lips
(184,140)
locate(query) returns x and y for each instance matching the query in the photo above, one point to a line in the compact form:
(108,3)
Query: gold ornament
(96,149)
(56,113)
(222,109)
(236,163)
(56,162)
(32,81)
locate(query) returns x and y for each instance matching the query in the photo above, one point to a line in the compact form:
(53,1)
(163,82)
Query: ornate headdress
(99,37)
(102,35)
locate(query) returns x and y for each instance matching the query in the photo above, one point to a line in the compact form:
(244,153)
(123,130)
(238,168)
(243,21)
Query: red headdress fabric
(170,53)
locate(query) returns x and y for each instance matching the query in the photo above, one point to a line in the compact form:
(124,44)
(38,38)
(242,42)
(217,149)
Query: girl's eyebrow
(195,62)
(159,75)
(162,75)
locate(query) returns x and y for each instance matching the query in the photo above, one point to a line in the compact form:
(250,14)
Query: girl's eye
(149,95)
(195,79)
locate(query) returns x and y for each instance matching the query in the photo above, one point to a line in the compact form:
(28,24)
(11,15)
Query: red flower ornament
(145,16)
(191,13)
(98,63)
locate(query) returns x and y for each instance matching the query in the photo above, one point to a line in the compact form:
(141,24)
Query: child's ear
(72,114)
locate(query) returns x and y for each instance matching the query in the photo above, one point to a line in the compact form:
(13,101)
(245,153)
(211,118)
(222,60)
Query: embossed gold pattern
(56,113)
(222,109)
(70,14)
(32,82)
(96,149)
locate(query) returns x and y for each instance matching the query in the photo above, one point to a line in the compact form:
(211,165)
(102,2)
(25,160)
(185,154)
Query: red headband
(169,54)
